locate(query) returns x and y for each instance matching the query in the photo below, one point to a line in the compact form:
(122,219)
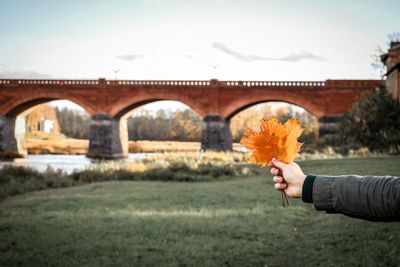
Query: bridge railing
(163,82)
(214,82)
(273,83)
(155,82)
(50,82)
(353,83)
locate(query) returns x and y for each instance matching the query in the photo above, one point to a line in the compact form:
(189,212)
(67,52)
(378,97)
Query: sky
(194,40)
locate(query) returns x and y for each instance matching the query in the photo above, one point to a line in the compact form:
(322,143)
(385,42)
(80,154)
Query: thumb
(278,164)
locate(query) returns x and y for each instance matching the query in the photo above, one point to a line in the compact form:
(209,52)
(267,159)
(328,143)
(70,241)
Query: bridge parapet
(216,82)
(353,83)
(202,83)
(272,83)
(163,82)
(159,82)
(49,82)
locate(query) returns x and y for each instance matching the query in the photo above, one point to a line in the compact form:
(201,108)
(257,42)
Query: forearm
(369,197)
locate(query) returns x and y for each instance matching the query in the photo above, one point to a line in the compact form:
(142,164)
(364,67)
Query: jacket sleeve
(375,198)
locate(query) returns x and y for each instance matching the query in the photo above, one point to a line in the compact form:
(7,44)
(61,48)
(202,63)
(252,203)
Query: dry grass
(80,146)
(59,144)
(67,146)
(162,146)
(187,160)
(169,146)
(200,156)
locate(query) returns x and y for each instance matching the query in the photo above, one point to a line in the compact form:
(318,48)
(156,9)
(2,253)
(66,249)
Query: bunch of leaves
(373,122)
(274,140)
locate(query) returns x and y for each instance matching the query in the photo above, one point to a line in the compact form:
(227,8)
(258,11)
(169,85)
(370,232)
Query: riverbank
(70,146)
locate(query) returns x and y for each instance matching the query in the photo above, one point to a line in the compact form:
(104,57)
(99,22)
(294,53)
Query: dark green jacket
(374,198)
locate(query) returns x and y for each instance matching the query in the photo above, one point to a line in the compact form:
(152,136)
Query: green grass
(237,222)
(15,180)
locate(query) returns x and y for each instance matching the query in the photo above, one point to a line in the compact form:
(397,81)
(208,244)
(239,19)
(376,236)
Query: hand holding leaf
(274,140)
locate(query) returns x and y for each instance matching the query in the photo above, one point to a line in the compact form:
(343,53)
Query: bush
(373,122)
(17,180)
(216,170)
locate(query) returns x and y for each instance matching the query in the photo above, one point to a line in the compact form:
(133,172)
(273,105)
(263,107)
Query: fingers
(280,186)
(279,182)
(278,179)
(274,171)
(278,163)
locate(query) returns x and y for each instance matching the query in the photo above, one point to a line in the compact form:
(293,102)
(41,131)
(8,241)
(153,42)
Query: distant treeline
(73,123)
(179,125)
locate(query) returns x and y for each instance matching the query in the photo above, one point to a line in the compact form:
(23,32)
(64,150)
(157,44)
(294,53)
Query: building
(46,126)
(43,118)
(392,61)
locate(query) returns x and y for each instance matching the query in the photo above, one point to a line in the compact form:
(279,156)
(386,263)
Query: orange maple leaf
(274,140)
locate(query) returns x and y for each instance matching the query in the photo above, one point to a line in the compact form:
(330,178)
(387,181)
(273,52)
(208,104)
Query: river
(68,163)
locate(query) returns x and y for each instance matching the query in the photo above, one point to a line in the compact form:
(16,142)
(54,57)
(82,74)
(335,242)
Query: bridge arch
(16,108)
(241,104)
(13,128)
(163,120)
(125,105)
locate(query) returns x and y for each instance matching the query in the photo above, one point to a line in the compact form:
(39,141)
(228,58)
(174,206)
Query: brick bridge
(109,102)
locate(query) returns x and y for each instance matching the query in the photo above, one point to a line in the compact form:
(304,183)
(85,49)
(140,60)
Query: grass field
(237,222)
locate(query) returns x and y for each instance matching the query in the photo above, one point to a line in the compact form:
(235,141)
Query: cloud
(250,58)
(237,55)
(301,56)
(130,57)
(13,73)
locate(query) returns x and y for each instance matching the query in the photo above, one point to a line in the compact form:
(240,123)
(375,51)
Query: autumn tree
(250,118)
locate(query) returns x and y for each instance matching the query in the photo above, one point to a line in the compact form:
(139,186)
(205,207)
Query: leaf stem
(285,201)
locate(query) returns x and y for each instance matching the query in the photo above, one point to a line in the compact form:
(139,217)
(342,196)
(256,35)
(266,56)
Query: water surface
(68,163)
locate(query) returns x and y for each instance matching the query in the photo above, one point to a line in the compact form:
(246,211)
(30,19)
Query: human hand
(288,177)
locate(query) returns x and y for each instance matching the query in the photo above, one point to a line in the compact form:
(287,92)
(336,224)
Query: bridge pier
(329,124)
(12,134)
(105,140)
(216,134)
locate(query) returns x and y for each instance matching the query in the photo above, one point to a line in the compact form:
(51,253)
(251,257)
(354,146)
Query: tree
(378,64)
(179,125)
(373,122)
(73,123)
(249,118)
